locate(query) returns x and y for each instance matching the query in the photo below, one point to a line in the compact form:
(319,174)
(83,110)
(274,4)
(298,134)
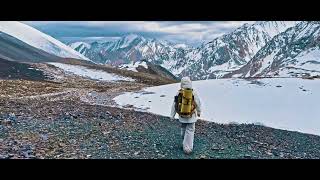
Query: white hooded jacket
(186,83)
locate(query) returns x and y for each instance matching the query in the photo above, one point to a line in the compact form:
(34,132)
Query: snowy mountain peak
(274,27)
(132,37)
(128,40)
(82,44)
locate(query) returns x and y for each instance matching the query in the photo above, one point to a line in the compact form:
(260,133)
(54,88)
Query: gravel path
(70,128)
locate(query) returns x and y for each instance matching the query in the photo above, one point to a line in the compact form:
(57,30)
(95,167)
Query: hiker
(188,106)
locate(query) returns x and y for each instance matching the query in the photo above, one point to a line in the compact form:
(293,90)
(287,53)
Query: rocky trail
(72,117)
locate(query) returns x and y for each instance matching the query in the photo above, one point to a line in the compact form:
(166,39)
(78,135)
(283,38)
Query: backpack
(184,103)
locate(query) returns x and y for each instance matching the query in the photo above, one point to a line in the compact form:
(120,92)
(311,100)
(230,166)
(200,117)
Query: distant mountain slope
(293,53)
(131,48)
(148,67)
(230,51)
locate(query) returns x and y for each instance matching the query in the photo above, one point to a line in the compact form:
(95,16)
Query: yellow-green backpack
(184,102)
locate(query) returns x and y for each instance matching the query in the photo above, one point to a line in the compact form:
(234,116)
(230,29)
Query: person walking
(188,106)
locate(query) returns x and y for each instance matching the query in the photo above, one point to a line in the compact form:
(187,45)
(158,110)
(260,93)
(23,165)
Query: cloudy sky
(189,32)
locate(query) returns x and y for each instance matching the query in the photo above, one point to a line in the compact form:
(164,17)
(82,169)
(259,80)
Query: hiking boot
(187,151)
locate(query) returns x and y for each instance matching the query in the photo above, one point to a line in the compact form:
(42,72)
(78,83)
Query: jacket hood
(186,83)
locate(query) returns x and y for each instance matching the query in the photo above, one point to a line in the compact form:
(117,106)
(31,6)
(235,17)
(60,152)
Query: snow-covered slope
(38,39)
(15,50)
(293,53)
(284,103)
(90,73)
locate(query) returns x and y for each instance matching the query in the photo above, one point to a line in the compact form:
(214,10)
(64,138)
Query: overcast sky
(189,32)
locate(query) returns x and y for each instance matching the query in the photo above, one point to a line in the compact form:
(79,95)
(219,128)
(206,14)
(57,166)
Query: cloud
(190,32)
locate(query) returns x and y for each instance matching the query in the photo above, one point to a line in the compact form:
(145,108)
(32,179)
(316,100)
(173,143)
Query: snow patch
(287,107)
(134,65)
(90,73)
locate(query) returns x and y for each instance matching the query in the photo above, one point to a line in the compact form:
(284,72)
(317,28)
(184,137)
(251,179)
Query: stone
(203,157)
(6,122)
(269,153)
(12,117)
(44,137)
(215,148)
(10,155)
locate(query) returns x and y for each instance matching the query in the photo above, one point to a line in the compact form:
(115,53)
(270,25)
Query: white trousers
(187,133)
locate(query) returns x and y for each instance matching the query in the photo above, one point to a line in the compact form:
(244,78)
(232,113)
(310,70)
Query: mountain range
(130,48)
(246,49)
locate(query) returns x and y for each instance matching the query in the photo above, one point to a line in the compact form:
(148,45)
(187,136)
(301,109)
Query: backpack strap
(194,105)
(178,98)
